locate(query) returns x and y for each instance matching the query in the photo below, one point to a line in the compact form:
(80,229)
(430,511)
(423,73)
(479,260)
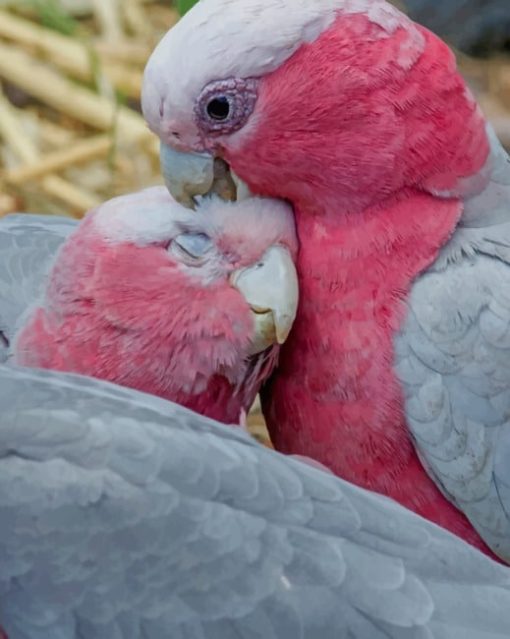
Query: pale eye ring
(191,245)
(223,106)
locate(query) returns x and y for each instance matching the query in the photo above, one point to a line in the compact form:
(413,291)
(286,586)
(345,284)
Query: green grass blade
(55,17)
(185,5)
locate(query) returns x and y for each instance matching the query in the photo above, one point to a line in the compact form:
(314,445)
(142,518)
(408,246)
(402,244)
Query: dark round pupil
(219,108)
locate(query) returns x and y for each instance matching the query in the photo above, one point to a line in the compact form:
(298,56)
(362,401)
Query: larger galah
(148,294)
(397,373)
(125,516)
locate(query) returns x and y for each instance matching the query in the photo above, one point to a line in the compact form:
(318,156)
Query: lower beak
(190,175)
(270,288)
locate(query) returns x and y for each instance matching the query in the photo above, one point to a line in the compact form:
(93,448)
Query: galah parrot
(397,372)
(125,516)
(187,305)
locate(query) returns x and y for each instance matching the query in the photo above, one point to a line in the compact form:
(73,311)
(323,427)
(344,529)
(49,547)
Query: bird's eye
(219,108)
(194,245)
(223,106)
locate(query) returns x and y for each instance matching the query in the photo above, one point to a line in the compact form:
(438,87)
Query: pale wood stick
(69,55)
(167,16)
(8,204)
(107,16)
(78,199)
(54,136)
(60,93)
(14,135)
(135,18)
(77,8)
(79,153)
(127,52)
(499,79)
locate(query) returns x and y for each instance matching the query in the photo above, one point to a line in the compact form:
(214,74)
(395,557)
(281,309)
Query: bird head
(147,289)
(331,103)
(224,253)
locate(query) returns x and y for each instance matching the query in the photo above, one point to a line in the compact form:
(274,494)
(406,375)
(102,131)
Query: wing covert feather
(453,360)
(122,515)
(28,245)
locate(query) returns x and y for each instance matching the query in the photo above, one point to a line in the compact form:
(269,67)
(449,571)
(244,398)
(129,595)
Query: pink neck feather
(360,169)
(347,126)
(335,396)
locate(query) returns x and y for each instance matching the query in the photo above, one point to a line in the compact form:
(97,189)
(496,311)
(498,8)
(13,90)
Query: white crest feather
(142,218)
(242,38)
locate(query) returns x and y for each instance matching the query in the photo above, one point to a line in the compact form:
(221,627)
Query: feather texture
(28,245)
(453,360)
(123,301)
(123,516)
(372,134)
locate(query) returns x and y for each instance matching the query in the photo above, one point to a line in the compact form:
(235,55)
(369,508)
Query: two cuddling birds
(395,374)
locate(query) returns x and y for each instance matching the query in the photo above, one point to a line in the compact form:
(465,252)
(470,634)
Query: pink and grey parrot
(182,304)
(125,516)
(397,373)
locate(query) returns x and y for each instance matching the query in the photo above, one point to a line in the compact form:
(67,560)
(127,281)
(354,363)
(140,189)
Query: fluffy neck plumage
(361,130)
(335,396)
(85,343)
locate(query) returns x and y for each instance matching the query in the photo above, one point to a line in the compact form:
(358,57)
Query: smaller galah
(189,306)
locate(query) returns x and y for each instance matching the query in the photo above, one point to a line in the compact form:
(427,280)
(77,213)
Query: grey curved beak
(186,174)
(191,175)
(271,289)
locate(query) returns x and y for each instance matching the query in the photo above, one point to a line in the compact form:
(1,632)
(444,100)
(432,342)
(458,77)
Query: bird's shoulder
(453,360)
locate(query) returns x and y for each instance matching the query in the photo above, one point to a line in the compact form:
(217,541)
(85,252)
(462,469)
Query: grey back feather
(453,360)
(124,516)
(28,245)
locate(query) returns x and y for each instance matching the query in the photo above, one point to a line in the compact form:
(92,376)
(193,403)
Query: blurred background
(71,133)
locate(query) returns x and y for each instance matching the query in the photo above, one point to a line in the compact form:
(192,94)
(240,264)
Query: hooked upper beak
(188,175)
(271,289)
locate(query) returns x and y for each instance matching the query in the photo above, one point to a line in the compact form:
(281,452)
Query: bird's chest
(336,396)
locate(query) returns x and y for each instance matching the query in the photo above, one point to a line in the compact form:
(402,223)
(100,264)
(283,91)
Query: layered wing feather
(124,516)
(28,245)
(453,359)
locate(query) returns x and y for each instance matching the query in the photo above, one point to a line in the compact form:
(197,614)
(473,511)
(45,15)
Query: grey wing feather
(453,360)
(123,516)
(28,245)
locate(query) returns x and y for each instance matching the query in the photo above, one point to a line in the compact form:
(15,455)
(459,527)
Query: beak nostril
(175,134)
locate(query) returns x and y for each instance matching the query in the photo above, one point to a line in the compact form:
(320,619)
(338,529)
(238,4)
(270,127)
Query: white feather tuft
(242,38)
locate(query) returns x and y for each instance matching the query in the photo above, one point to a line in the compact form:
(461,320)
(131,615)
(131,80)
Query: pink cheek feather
(128,315)
(358,133)
(350,119)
